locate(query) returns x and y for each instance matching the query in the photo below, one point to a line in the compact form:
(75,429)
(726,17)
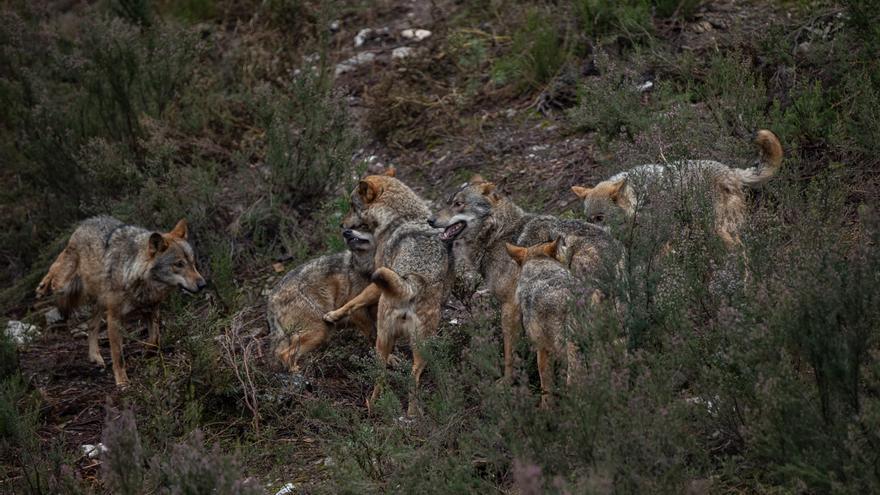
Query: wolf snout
(348,234)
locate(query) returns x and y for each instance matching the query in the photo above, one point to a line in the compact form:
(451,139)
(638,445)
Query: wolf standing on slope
(544,294)
(483,221)
(122,269)
(619,194)
(414,272)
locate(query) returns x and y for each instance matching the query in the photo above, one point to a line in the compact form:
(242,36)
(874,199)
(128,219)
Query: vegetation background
(253,118)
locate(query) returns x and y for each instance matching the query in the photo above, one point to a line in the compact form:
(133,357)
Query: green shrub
(538,51)
(309,140)
(600,18)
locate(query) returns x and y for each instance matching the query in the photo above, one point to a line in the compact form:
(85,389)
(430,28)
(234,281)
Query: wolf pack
(400,265)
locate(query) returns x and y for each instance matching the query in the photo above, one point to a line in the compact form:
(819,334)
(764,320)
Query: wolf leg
(113,324)
(368,297)
(418,367)
(301,344)
(384,346)
(153,336)
(94,329)
(545,370)
(510,328)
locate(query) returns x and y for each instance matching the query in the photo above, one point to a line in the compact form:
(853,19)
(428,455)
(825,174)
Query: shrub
(309,140)
(538,51)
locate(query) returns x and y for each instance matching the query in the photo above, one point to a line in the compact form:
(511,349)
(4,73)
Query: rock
(510,113)
(334,26)
(21,333)
(702,27)
(353,62)
(415,34)
(362,37)
(645,86)
(92,451)
(402,52)
(286,489)
(53,316)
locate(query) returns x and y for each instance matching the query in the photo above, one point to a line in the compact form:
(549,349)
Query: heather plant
(309,140)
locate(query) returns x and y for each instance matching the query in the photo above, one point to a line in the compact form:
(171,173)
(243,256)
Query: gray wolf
(414,270)
(297,304)
(620,194)
(544,294)
(480,220)
(122,269)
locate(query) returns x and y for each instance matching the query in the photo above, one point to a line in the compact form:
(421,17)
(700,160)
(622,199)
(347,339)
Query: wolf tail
(770,156)
(392,284)
(70,296)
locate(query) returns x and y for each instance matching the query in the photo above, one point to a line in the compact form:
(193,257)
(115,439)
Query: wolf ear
(390,172)
(179,230)
(551,248)
(580,191)
(616,190)
(488,190)
(476,179)
(156,244)
(368,190)
(517,253)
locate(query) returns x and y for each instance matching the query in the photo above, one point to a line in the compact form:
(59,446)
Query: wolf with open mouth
(296,306)
(482,221)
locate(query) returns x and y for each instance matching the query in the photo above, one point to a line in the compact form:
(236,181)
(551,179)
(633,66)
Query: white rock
(352,63)
(402,52)
(362,37)
(415,34)
(645,86)
(20,332)
(92,451)
(334,26)
(286,489)
(53,316)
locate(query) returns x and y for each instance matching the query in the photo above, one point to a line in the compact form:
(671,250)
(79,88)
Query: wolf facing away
(414,270)
(121,269)
(296,306)
(619,193)
(482,221)
(544,293)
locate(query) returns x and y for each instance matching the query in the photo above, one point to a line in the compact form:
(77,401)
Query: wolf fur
(296,306)
(122,269)
(544,291)
(618,192)
(481,221)
(414,270)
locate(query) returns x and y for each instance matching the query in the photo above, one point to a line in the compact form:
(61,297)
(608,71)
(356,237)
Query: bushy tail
(392,284)
(70,296)
(770,156)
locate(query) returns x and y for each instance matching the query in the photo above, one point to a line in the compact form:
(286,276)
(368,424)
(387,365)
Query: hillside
(707,371)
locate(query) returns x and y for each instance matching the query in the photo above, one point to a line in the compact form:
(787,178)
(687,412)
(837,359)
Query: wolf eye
(179,264)
(458,204)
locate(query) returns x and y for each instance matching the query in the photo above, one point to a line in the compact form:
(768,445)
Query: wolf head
(608,199)
(467,211)
(553,249)
(380,200)
(172,262)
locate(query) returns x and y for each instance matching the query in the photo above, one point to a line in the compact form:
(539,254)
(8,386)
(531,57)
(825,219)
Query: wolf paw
(97,360)
(332,317)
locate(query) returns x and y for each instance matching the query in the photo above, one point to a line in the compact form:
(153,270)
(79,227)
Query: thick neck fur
(507,221)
